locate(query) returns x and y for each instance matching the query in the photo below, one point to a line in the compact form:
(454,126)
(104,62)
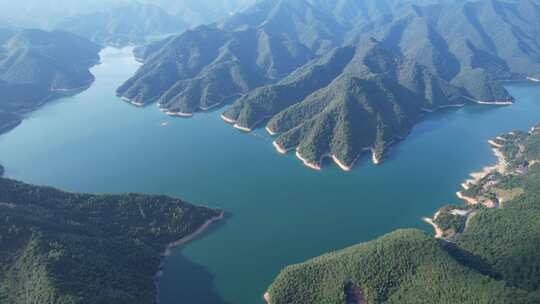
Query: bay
(278,211)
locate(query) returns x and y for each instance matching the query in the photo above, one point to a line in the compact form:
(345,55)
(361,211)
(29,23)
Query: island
(38,66)
(339,83)
(485,251)
(64,247)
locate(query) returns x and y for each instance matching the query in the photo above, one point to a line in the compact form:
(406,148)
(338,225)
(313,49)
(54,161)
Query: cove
(278,211)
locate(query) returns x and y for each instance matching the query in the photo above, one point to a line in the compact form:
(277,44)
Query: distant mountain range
(336,78)
(117,22)
(37,66)
(122,25)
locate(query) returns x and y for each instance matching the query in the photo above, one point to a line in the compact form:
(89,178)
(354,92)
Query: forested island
(38,66)
(339,78)
(59,247)
(487,251)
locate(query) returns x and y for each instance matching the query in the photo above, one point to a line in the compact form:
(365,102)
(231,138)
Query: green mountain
(123,24)
(58,247)
(37,66)
(310,71)
(204,67)
(365,99)
(487,252)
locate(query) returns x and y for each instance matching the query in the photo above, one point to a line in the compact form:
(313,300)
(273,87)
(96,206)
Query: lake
(278,211)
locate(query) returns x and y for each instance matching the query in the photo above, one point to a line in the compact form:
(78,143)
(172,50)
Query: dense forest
(58,247)
(487,254)
(308,71)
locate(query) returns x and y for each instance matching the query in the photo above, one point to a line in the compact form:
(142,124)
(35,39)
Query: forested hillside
(58,247)
(489,252)
(121,25)
(303,68)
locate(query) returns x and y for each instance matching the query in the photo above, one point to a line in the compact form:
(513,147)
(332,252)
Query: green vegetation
(452,219)
(407,266)
(58,247)
(309,69)
(37,66)
(489,255)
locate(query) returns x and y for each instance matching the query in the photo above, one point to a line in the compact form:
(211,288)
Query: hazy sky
(46,13)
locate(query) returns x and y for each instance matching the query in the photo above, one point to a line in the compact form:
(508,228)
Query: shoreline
(340,164)
(468,200)
(497,102)
(190,237)
(86,86)
(227,119)
(244,129)
(270,131)
(210,107)
(130,101)
(444,107)
(267,298)
(500,166)
(178,114)
(173,245)
(438,231)
(279,148)
(375,159)
(307,163)
(347,168)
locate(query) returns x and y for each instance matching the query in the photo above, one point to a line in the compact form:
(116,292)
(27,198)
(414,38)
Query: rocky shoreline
(481,190)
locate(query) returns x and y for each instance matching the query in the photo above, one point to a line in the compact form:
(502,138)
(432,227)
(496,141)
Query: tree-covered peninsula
(38,66)
(487,251)
(58,247)
(338,78)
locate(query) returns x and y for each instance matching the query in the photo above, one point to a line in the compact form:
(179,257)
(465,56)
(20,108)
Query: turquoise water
(278,212)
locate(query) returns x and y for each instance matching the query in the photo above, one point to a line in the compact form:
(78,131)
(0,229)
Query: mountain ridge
(451,53)
(37,66)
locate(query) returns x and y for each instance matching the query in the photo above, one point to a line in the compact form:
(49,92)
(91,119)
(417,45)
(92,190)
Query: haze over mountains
(60,247)
(36,66)
(116,22)
(340,77)
(122,25)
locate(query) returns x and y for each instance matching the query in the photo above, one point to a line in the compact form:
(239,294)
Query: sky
(46,13)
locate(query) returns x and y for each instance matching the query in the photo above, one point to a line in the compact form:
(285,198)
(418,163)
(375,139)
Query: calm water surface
(278,212)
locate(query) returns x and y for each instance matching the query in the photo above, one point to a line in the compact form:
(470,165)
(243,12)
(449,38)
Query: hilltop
(304,68)
(82,248)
